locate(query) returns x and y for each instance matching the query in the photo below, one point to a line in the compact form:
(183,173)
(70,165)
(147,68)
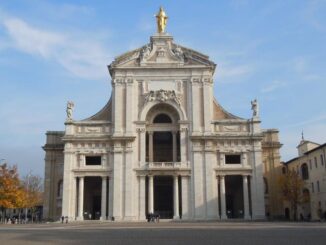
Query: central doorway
(92,198)
(163,196)
(234,196)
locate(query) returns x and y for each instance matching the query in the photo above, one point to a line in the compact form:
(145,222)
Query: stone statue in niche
(69,110)
(255,108)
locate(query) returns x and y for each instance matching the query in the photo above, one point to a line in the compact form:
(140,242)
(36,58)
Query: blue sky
(55,51)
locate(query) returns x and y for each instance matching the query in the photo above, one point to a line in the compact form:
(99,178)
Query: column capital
(141,130)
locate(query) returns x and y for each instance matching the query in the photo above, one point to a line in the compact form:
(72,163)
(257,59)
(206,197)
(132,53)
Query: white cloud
(299,64)
(310,121)
(274,85)
(78,54)
(311,77)
(226,73)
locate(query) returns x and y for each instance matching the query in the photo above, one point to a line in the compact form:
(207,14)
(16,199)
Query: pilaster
(185,195)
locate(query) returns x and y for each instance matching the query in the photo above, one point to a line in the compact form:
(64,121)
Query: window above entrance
(233,159)
(93,160)
(162,118)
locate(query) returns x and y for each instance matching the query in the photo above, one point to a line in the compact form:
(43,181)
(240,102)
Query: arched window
(304,171)
(60,188)
(162,118)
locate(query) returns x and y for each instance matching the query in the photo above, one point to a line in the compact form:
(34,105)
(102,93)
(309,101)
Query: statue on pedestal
(69,110)
(255,108)
(161,20)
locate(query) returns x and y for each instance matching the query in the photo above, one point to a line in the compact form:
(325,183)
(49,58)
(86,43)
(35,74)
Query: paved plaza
(165,233)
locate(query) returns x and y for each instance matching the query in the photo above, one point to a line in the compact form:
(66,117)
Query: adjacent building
(311,166)
(272,171)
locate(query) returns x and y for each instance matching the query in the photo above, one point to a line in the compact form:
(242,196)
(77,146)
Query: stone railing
(166,165)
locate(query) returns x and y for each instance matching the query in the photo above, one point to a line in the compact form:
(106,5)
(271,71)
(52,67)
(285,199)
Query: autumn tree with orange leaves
(33,192)
(11,192)
(292,185)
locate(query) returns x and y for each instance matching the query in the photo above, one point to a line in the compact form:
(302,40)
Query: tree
(10,188)
(291,185)
(33,192)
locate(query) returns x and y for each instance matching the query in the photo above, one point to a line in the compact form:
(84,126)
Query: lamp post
(28,176)
(2,218)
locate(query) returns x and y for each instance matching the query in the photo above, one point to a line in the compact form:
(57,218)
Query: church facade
(162,144)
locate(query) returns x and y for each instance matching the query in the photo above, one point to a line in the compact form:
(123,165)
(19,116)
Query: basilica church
(162,144)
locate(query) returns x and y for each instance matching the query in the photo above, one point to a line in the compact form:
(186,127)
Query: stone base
(80,218)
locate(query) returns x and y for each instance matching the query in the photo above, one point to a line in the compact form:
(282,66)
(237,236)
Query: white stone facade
(165,146)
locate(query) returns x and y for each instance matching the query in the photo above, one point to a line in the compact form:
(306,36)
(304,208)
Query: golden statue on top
(161,19)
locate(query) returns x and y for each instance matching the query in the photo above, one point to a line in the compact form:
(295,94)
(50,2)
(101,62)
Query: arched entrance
(162,155)
(162,134)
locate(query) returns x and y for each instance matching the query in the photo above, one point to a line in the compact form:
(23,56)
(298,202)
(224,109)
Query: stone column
(81,199)
(217,196)
(174,145)
(150,146)
(223,204)
(110,198)
(75,201)
(250,184)
(151,194)
(176,198)
(245,197)
(142,211)
(103,199)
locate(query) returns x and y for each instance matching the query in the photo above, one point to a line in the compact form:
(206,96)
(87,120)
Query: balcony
(166,165)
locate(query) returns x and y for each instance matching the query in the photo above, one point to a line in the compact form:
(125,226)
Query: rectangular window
(93,160)
(318,188)
(315,161)
(312,188)
(232,159)
(310,164)
(322,160)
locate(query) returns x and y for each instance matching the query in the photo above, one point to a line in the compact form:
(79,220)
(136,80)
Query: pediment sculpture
(162,96)
(145,52)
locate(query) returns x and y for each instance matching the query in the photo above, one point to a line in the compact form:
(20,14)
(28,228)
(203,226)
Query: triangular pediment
(162,52)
